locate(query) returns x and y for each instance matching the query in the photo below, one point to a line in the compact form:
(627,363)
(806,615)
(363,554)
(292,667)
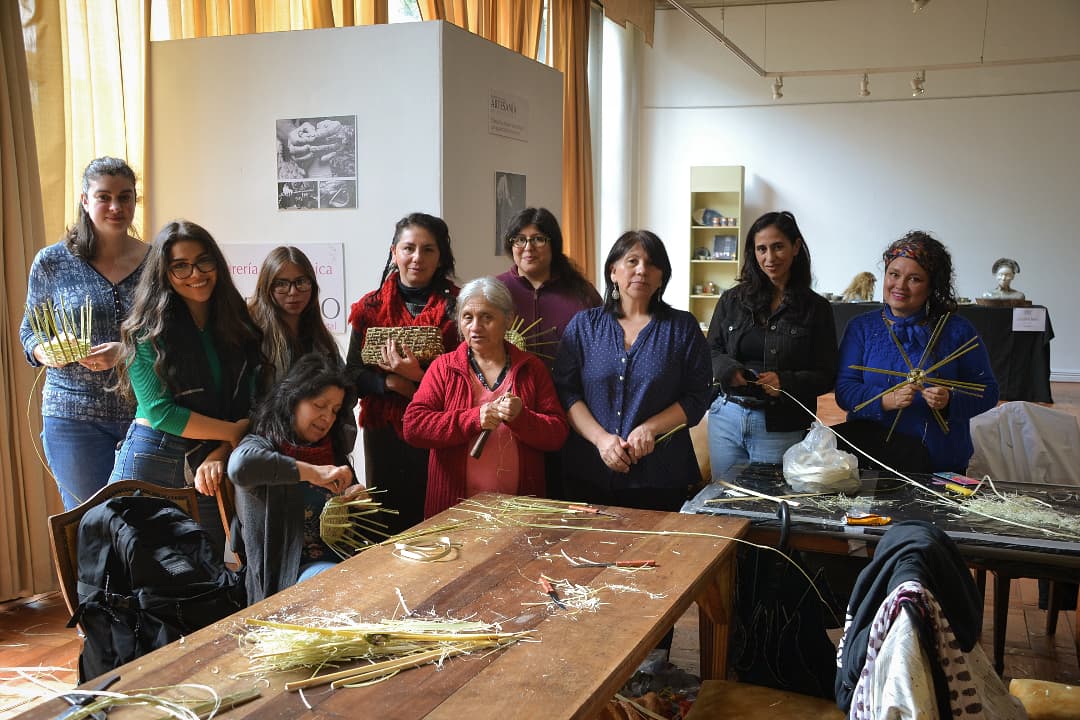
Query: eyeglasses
(520,241)
(281,286)
(183,270)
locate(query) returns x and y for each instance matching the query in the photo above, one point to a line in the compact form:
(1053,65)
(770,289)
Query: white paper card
(327,260)
(1029,319)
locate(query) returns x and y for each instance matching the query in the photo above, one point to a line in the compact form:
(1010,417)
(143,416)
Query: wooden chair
(741,701)
(64,528)
(226,502)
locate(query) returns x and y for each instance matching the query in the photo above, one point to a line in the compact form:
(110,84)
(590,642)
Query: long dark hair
(654,248)
(80,237)
(156,307)
(754,286)
(931,255)
(561,265)
(444,273)
(274,418)
(279,347)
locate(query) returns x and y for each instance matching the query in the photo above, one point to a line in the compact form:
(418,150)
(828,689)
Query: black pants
(400,470)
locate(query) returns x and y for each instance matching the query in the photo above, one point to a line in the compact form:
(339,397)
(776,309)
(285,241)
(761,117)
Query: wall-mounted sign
(316,163)
(328,261)
(508,115)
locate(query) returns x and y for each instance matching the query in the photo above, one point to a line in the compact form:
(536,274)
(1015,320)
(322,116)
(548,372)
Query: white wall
(472,68)
(987,159)
(420,94)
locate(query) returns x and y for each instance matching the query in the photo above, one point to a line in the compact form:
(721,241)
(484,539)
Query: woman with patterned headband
(918,291)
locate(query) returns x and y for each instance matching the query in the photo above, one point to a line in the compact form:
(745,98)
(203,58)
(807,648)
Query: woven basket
(425,341)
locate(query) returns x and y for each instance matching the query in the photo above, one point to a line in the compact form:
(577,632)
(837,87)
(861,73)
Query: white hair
(490,289)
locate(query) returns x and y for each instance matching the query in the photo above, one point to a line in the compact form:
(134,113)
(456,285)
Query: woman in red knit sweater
(417,289)
(486,384)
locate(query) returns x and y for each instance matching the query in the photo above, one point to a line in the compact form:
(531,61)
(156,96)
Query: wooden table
(579,663)
(1007,550)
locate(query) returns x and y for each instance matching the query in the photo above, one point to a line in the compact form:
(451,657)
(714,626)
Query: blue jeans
(161,458)
(313,568)
(737,436)
(80,454)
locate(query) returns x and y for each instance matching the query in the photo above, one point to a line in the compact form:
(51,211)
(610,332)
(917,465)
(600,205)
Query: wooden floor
(39,655)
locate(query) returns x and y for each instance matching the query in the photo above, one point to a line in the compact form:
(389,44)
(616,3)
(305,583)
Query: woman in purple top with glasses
(546,287)
(628,373)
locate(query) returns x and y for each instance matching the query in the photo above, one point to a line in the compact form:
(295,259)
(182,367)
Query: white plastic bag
(815,465)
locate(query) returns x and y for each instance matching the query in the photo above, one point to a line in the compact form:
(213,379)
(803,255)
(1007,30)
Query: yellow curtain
(568,35)
(515,24)
(638,12)
(27,496)
(211,18)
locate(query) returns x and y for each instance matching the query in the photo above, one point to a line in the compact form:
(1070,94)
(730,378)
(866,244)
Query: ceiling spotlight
(778,88)
(917,81)
(864,86)
(917,5)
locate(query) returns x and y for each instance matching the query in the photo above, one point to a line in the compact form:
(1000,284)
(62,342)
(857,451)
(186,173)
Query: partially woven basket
(425,341)
(347,526)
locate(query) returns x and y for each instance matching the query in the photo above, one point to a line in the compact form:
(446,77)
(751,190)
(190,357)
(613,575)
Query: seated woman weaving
(293,461)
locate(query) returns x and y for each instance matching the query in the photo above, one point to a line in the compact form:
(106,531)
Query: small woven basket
(425,341)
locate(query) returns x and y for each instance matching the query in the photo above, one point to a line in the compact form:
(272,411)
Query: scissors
(79,701)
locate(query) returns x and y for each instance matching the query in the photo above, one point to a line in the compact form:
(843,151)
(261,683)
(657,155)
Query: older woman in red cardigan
(486,384)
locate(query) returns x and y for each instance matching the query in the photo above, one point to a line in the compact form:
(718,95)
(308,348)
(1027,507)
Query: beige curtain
(641,13)
(569,42)
(27,494)
(515,24)
(211,18)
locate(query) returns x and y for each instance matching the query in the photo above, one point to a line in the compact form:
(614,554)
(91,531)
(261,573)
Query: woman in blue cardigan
(918,290)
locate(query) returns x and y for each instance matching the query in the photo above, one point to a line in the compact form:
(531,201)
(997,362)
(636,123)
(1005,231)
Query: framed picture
(724,247)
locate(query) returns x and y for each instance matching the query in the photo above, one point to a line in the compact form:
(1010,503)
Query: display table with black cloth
(1020,360)
(1007,550)
(573,666)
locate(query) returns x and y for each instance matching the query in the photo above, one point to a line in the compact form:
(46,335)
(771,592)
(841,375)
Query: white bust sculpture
(1005,269)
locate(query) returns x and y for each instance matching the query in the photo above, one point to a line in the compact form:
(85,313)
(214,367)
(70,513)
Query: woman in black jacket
(769,332)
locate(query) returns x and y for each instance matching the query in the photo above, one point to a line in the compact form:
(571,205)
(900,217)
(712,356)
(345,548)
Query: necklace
(480,373)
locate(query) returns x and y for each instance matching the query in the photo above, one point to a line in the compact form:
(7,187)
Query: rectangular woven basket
(425,341)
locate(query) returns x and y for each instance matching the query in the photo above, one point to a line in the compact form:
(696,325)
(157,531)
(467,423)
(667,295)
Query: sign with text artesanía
(327,260)
(508,115)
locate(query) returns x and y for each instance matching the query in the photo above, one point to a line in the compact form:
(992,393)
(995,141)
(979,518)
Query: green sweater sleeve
(155,403)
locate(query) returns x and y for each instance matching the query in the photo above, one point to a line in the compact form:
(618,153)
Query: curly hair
(156,304)
(561,265)
(753,285)
(309,376)
(654,248)
(279,346)
(80,237)
(444,273)
(932,257)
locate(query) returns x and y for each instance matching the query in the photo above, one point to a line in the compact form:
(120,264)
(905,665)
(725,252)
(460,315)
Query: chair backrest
(226,502)
(64,527)
(1025,442)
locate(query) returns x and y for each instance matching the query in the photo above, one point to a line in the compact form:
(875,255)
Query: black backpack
(148,574)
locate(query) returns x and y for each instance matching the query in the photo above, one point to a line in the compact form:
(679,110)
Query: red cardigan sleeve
(541,424)
(438,416)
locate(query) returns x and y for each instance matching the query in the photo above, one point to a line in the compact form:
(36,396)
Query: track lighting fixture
(864,86)
(917,5)
(778,88)
(917,81)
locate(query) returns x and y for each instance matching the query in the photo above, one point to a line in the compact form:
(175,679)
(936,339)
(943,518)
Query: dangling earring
(615,292)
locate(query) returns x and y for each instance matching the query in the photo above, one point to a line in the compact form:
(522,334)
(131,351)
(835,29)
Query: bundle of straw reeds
(54,327)
(389,646)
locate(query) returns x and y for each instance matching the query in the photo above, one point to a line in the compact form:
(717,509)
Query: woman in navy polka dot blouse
(627,373)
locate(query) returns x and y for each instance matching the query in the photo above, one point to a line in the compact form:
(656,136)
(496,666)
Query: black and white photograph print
(319,151)
(298,196)
(509,200)
(337,193)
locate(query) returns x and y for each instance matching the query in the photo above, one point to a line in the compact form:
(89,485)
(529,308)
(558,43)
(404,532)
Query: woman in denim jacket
(769,332)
